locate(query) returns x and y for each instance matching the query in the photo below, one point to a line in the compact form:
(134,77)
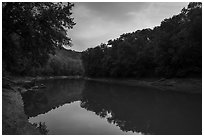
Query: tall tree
(32,30)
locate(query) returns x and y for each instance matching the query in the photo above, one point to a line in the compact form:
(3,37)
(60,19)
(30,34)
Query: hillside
(64,62)
(68,54)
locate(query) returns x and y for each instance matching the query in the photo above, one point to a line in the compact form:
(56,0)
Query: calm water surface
(87,107)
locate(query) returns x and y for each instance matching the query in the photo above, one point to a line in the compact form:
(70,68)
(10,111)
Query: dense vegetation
(64,62)
(31,32)
(173,49)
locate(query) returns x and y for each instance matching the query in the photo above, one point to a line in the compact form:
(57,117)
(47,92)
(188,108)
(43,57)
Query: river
(82,107)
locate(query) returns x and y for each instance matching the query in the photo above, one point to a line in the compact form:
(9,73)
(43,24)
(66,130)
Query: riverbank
(21,80)
(14,120)
(183,85)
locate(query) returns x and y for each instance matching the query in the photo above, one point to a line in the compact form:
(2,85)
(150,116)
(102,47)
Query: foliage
(31,31)
(173,49)
(41,127)
(64,62)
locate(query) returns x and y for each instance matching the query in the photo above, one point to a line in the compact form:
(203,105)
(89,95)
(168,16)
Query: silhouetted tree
(31,31)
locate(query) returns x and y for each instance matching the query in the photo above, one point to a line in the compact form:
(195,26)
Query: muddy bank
(185,85)
(22,80)
(14,120)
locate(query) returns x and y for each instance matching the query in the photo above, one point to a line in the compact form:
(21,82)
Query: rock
(35,87)
(42,86)
(38,87)
(23,90)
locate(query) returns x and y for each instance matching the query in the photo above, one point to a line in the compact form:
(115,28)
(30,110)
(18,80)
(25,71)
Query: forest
(173,49)
(34,33)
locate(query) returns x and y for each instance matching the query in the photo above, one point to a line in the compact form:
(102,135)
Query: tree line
(173,49)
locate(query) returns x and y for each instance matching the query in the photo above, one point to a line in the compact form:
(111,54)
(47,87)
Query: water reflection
(57,93)
(144,110)
(135,109)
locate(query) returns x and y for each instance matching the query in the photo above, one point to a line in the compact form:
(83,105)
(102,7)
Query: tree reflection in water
(144,110)
(42,128)
(136,109)
(57,93)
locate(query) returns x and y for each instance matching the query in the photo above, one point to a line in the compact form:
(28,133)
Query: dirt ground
(14,120)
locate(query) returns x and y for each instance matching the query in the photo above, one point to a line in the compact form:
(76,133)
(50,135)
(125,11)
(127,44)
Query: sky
(98,22)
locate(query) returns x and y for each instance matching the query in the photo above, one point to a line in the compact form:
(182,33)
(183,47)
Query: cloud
(99,22)
(114,11)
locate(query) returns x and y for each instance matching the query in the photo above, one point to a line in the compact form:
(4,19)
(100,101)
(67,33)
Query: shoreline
(181,85)
(14,119)
(26,79)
